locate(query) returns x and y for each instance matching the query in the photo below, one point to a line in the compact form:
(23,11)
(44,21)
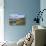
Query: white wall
(1,21)
(27,7)
(43,6)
